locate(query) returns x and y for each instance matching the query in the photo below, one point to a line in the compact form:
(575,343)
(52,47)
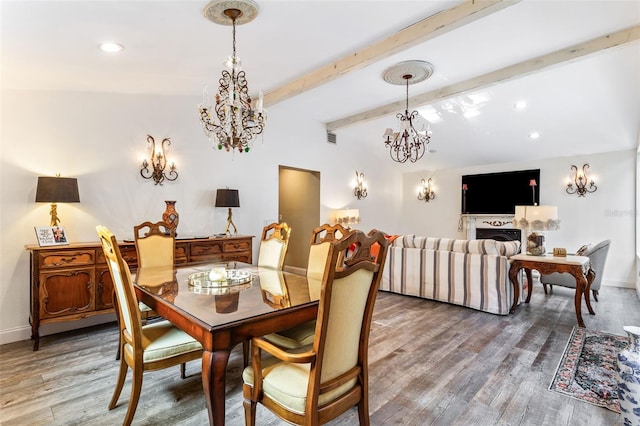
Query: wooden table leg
(214,369)
(529,284)
(581,283)
(513,277)
(590,277)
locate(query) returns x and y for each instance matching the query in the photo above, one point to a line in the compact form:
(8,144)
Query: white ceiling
(584,106)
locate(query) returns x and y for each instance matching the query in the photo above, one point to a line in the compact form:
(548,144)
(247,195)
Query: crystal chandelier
(233,121)
(410,141)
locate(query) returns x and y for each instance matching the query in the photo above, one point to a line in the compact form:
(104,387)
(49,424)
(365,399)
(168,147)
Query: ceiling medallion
(410,141)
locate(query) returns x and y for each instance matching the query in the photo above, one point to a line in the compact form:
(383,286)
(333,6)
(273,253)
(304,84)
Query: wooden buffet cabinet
(72,282)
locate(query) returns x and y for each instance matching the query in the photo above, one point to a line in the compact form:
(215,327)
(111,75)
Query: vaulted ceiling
(576,64)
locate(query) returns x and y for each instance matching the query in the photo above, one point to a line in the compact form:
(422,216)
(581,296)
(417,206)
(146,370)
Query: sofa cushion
(405,241)
(508,248)
(467,246)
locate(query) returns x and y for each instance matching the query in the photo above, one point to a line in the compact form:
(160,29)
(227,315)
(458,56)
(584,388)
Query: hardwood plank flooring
(430,364)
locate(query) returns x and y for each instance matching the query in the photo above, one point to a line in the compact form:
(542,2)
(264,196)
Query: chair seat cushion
(162,340)
(143,307)
(295,337)
(286,384)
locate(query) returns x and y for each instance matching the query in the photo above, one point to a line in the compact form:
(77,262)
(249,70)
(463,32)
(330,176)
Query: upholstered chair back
(155,244)
(127,302)
(273,245)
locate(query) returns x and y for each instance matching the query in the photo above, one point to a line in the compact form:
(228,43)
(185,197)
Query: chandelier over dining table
(410,141)
(234,120)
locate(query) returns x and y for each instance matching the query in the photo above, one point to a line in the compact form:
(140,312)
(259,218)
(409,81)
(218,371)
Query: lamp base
(535,244)
(230,224)
(55,220)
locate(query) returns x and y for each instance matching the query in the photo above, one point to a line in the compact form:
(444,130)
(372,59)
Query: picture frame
(51,235)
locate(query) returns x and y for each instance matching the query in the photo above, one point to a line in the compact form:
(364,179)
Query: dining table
(224,304)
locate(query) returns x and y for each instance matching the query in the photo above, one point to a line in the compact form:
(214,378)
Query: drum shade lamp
(57,190)
(228,198)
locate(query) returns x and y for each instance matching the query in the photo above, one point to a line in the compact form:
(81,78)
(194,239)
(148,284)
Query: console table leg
(529,284)
(590,277)
(580,283)
(513,277)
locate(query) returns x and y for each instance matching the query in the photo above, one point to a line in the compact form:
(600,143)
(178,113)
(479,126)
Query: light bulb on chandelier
(233,121)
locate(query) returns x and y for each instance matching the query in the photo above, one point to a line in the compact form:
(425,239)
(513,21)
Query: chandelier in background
(410,141)
(233,121)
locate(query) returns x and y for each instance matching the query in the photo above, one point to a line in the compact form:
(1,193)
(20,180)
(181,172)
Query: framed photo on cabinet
(51,236)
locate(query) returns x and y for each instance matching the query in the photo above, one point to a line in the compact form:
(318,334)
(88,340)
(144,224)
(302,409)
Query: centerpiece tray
(217,279)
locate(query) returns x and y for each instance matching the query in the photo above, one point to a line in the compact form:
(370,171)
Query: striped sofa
(471,273)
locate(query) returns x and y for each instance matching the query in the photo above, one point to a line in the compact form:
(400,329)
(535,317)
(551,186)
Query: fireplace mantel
(492,221)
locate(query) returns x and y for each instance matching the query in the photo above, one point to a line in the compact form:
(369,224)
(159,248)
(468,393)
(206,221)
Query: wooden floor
(430,364)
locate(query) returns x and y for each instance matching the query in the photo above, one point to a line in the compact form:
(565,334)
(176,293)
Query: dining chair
(303,334)
(273,249)
(273,245)
(153,346)
(320,384)
(155,246)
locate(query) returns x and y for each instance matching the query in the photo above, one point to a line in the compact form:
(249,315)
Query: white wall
(101,140)
(608,213)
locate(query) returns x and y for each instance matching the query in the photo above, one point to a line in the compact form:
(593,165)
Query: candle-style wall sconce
(426,192)
(360,189)
(579,183)
(158,160)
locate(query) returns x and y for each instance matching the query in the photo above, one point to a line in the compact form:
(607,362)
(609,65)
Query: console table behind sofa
(72,282)
(471,273)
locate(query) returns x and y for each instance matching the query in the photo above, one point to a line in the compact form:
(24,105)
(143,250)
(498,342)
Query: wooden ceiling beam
(428,28)
(521,69)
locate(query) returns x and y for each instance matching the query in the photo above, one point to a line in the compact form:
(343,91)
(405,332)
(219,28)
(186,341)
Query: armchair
(598,257)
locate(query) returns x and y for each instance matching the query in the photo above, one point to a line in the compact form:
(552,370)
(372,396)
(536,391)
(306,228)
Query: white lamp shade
(541,218)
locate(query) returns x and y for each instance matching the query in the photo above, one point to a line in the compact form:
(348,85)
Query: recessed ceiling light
(111,47)
(534,135)
(520,105)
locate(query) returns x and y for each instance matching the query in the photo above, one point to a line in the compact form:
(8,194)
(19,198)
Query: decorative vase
(628,369)
(171,216)
(535,244)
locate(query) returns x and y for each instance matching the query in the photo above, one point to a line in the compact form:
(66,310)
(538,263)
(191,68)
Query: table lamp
(228,198)
(347,217)
(57,190)
(535,220)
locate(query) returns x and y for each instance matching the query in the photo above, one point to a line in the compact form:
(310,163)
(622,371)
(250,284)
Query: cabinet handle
(68,259)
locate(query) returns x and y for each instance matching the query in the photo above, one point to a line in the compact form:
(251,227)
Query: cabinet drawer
(180,255)
(129,255)
(236,245)
(206,248)
(57,259)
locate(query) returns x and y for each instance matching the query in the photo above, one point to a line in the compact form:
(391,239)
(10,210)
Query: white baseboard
(621,284)
(24,332)
(15,334)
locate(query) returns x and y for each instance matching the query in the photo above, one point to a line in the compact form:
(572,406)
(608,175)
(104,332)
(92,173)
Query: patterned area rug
(587,369)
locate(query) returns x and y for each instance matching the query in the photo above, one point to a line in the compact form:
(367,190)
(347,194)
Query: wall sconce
(580,180)
(360,189)
(158,162)
(426,193)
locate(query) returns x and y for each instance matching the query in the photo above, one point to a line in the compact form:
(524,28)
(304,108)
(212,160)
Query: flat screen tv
(499,193)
